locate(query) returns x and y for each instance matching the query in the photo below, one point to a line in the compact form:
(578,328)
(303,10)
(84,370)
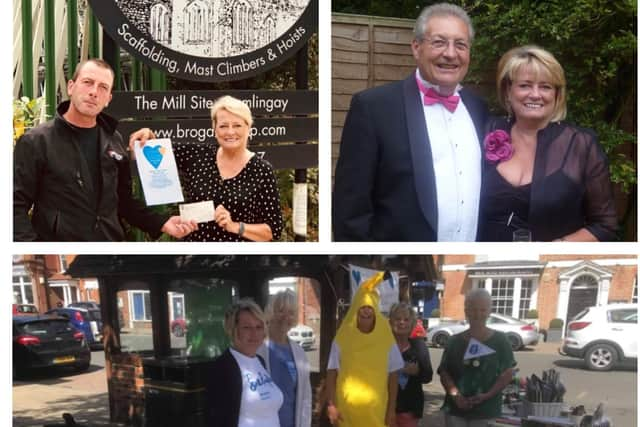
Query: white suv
(603,335)
(303,335)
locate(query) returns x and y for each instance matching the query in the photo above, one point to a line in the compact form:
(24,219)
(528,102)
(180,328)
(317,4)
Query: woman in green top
(476,365)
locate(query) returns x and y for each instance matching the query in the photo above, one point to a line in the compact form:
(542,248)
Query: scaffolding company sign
(209,40)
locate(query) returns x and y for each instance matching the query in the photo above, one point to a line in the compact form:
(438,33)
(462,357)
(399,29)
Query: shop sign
(198,102)
(209,40)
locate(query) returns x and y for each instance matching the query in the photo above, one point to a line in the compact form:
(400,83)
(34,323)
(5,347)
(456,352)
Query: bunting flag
(476,349)
(388,289)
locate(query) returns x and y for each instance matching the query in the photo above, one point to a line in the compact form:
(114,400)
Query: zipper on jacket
(79,179)
(56,223)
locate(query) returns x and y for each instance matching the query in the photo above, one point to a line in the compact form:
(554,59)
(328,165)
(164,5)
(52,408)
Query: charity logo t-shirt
(261,397)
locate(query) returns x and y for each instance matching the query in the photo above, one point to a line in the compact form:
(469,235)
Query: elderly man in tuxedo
(410,159)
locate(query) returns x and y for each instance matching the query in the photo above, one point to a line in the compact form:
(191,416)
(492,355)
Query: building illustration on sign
(213,28)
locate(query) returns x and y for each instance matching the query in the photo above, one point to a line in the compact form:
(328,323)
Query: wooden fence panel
(366,52)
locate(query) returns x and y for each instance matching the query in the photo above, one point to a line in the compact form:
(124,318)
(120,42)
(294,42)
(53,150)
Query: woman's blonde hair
(282,300)
(232,313)
(403,306)
(540,62)
(232,105)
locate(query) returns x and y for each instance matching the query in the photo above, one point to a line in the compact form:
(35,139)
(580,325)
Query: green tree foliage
(396,8)
(594,40)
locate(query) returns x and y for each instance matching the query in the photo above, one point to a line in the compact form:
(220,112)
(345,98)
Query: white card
(158,172)
(198,211)
(476,349)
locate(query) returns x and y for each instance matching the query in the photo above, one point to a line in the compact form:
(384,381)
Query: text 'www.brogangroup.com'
(202,134)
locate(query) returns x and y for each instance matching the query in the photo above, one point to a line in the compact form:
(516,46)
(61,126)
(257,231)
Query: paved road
(617,389)
(42,399)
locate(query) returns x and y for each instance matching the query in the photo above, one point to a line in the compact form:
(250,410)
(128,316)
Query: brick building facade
(556,286)
(41,280)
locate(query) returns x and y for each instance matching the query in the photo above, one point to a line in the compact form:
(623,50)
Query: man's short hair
(97,61)
(440,9)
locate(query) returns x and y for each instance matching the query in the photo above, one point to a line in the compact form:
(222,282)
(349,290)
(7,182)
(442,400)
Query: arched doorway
(583,294)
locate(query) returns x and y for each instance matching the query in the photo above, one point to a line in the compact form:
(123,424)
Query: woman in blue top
(286,361)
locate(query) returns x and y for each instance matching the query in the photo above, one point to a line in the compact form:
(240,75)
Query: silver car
(303,335)
(519,333)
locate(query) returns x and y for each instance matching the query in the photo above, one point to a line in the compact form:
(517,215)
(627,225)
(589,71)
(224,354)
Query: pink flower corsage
(497,146)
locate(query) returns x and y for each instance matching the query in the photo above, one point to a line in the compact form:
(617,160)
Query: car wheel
(600,357)
(515,341)
(82,367)
(441,339)
(178,331)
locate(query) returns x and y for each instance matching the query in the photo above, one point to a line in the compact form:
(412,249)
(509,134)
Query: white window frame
(22,284)
(196,22)
(242,17)
(63,263)
(488,282)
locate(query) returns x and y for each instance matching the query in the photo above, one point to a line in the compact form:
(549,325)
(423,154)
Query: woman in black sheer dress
(543,178)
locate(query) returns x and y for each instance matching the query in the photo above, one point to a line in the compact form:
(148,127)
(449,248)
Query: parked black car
(85,304)
(86,320)
(47,341)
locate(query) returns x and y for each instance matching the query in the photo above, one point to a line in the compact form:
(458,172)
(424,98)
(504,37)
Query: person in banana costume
(363,364)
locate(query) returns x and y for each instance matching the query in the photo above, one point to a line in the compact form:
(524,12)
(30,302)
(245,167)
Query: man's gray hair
(440,9)
(477,294)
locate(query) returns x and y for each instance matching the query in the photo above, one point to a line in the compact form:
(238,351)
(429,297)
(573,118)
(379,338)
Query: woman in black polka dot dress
(242,186)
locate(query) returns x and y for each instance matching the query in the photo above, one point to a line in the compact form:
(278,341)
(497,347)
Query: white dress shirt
(456,155)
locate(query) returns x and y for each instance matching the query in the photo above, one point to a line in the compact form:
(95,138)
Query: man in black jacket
(410,158)
(73,172)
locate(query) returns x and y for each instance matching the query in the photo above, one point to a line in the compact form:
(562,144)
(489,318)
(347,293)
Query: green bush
(531,314)
(594,41)
(435,313)
(556,323)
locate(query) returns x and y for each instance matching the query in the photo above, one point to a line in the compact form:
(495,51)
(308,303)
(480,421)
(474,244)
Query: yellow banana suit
(361,386)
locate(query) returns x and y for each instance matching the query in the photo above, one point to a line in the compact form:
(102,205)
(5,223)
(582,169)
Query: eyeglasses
(440,44)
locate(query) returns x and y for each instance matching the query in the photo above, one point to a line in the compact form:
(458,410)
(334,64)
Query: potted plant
(531,314)
(555,330)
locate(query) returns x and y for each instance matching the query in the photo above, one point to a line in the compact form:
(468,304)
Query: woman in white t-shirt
(241,391)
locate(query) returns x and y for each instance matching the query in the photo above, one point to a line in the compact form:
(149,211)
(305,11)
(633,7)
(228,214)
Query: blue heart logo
(153,155)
